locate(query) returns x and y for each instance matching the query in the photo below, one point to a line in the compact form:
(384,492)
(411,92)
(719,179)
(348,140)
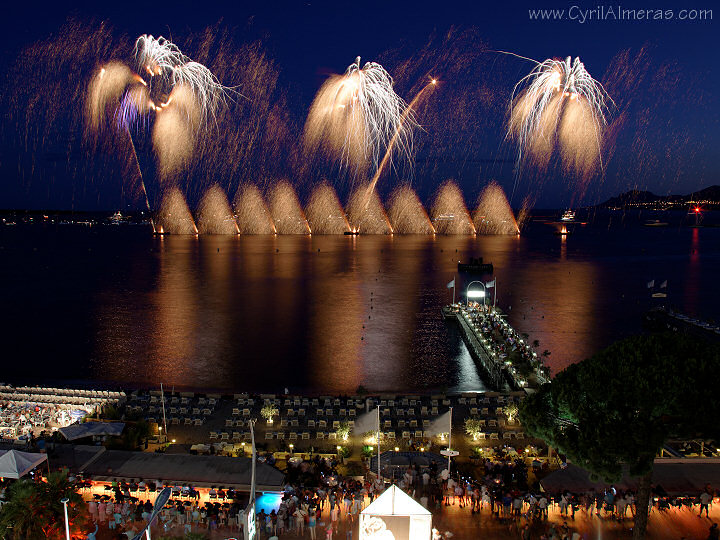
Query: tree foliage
(34,509)
(473,427)
(621,405)
(614,411)
(268,411)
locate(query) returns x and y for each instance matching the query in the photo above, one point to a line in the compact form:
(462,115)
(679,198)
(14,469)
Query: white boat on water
(116,218)
(568,215)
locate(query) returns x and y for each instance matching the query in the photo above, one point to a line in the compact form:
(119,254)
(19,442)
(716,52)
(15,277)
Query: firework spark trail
(357,115)
(561,104)
(409,117)
(142,180)
(174,216)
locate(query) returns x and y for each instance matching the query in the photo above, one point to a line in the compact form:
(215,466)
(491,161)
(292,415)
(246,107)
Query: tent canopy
(184,469)
(88,429)
(395,502)
(16,464)
(674,476)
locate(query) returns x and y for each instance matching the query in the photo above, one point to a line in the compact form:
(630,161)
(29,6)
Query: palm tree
(18,517)
(34,509)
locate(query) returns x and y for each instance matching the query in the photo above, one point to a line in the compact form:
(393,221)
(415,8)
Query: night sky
(666,131)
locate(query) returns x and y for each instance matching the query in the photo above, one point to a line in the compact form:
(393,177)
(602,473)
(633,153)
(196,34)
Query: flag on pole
(160,502)
(367,422)
(490,284)
(451,285)
(440,425)
(651,284)
(663,285)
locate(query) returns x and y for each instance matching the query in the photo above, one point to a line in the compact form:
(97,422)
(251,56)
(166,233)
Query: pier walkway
(507,361)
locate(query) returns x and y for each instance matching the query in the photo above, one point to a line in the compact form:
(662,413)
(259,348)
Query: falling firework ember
(354,118)
(561,107)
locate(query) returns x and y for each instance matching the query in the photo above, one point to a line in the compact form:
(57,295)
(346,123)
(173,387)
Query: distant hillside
(635,198)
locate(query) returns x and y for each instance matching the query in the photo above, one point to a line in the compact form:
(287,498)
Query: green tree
(34,509)
(474,427)
(612,413)
(343,432)
(268,411)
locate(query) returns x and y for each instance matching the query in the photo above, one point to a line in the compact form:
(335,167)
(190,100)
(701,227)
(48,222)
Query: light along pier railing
(485,331)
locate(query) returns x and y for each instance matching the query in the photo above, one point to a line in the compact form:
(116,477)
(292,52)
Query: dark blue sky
(309,39)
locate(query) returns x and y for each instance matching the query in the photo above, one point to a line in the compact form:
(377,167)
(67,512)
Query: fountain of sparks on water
(407,213)
(493,214)
(253,215)
(286,211)
(449,213)
(214,215)
(324,212)
(367,217)
(174,216)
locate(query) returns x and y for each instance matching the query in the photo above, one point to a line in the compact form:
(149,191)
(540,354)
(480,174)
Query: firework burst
(354,117)
(559,105)
(180,94)
(161,59)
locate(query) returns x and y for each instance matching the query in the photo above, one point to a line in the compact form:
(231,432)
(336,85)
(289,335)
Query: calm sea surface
(116,305)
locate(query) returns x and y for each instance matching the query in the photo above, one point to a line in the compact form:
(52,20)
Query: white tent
(15,464)
(395,515)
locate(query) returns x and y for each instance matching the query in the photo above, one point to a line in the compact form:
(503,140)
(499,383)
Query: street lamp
(67,524)
(291,447)
(476,293)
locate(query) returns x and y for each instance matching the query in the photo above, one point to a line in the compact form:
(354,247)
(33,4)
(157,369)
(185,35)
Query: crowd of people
(319,503)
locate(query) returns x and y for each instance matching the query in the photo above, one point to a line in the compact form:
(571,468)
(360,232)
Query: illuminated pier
(506,360)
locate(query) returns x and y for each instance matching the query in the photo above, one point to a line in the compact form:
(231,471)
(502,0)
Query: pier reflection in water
(262,313)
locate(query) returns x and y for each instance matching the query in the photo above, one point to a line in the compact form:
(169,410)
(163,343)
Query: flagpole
(453,289)
(162,399)
(378,440)
(450,440)
(494,293)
